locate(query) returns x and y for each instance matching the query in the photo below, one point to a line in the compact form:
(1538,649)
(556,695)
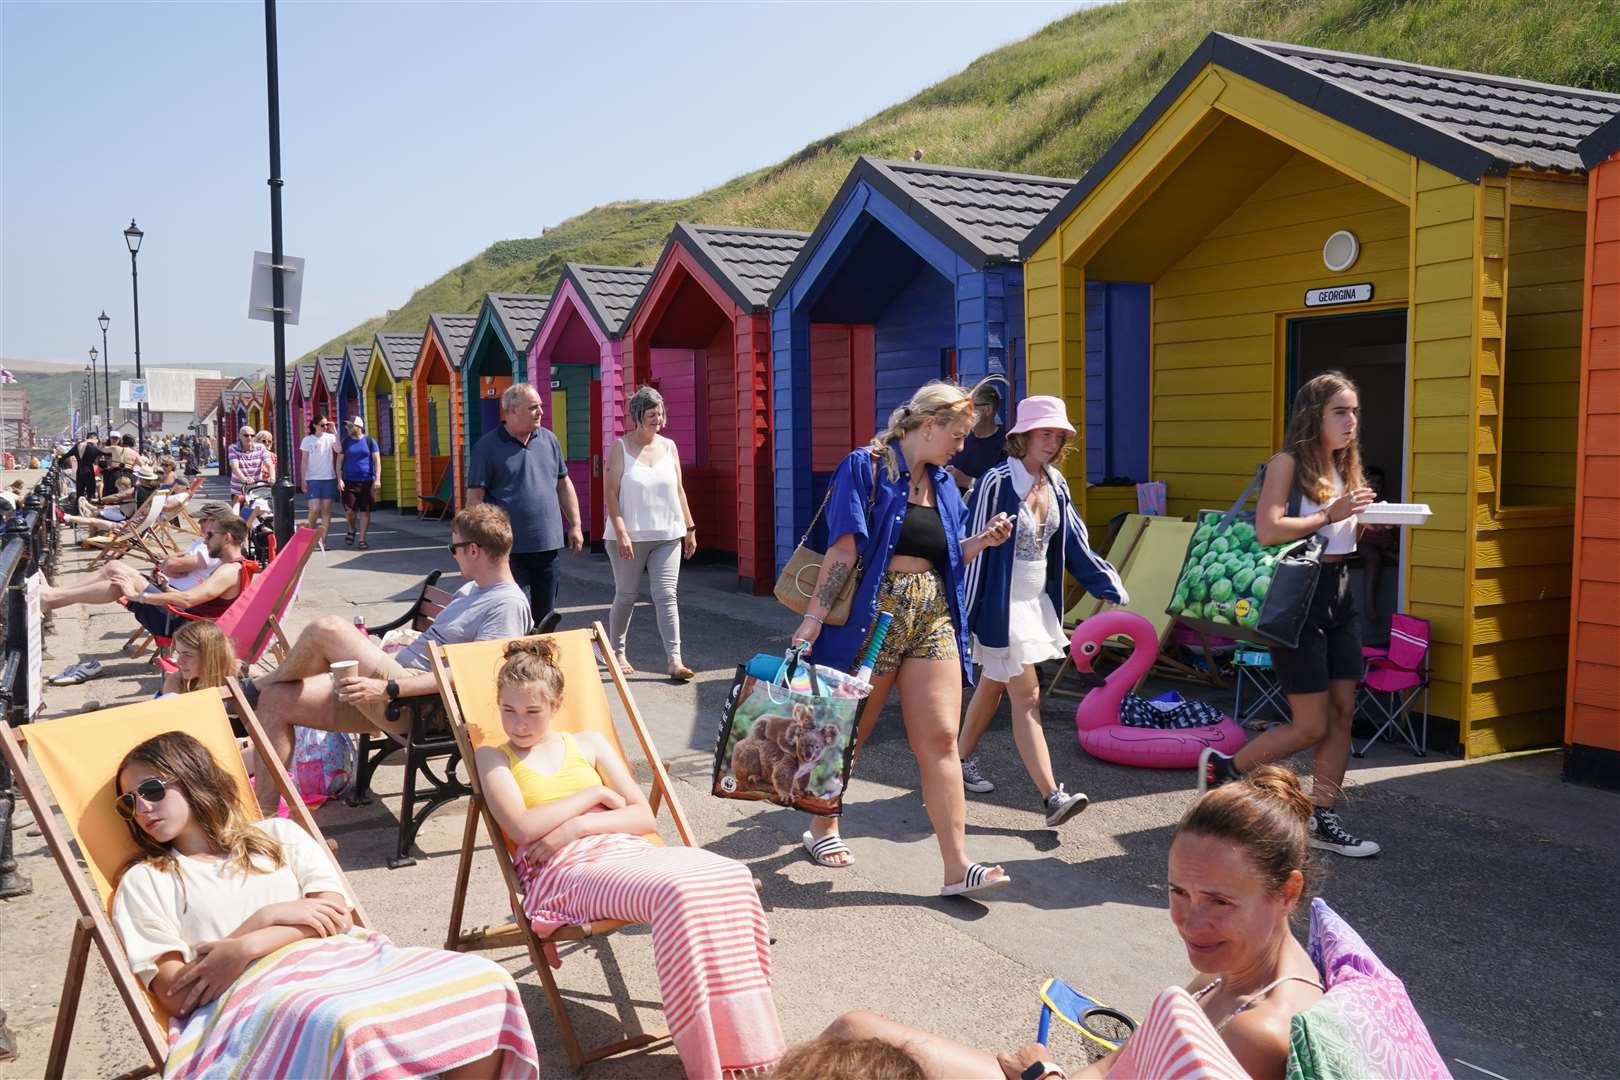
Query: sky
(413,136)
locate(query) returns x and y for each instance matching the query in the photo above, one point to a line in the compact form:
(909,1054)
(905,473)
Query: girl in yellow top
(579,825)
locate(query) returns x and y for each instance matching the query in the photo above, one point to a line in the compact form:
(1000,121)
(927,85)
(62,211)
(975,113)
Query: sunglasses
(151,790)
(459,544)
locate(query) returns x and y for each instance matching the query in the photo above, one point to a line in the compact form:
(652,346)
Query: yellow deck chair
(1147,552)
(466,676)
(77,756)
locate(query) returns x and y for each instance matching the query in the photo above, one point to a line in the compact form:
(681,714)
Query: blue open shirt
(846,514)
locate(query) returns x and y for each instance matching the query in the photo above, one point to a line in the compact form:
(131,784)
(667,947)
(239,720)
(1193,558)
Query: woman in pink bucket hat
(1015,592)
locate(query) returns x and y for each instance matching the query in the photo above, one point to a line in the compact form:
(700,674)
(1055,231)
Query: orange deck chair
(466,675)
(77,756)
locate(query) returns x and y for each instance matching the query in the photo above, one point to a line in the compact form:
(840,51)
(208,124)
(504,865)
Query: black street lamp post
(91,373)
(132,237)
(106,360)
(282,495)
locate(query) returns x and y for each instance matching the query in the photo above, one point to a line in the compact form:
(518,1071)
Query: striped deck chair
(438,504)
(466,675)
(138,535)
(76,756)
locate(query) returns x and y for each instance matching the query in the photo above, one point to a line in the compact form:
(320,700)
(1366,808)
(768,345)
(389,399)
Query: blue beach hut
(495,358)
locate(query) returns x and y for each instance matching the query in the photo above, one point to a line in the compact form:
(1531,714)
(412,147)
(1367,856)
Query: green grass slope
(1051,105)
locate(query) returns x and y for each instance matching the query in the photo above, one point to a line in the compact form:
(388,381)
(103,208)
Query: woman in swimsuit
(1237,871)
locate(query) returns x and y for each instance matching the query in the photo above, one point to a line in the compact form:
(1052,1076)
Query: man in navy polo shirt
(519,467)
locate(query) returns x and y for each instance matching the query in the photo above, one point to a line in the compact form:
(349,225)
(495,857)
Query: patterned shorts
(922,626)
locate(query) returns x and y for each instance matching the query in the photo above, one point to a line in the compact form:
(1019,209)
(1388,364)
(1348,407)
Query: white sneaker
(1061,806)
(973,779)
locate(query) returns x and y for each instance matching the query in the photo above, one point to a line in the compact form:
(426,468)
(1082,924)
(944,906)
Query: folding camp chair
(1256,675)
(1147,552)
(466,676)
(1394,681)
(77,756)
(1103,1027)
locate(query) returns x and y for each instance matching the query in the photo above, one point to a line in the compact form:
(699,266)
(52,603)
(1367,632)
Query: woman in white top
(1315,485)
(226,922)
(649,526)
(320,450)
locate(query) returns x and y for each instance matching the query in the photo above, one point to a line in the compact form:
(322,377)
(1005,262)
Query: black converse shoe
(1329,835)
(1215,769)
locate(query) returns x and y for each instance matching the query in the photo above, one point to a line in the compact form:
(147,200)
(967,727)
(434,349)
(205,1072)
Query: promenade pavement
(1495,897)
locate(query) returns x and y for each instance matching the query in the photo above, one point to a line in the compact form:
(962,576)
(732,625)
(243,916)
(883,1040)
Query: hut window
(385,423)
(435,445)
(404,391)
(1541,357)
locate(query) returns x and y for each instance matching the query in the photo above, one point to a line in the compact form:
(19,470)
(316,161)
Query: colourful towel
(356,1007)
(1176,1041)
(710,944)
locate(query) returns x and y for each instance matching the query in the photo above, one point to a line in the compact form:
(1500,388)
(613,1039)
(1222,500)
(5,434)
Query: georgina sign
(1338,294)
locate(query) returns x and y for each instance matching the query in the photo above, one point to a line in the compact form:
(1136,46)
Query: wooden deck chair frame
(93,925)
(519,932)
(142,536)
(178,521)
(121,529)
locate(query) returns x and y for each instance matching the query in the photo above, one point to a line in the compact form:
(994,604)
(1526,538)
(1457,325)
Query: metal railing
(28,542)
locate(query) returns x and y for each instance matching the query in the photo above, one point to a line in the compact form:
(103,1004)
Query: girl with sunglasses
(229,923)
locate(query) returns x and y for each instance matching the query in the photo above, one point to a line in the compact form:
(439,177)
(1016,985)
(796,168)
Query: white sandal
(977,880)
(831,844)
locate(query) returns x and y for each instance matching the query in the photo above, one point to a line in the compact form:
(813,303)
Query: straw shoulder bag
(797,582)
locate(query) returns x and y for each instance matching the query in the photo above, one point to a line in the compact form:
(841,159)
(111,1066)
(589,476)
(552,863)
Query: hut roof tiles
(519,315)
(748,263)
(208,392)
(454,331)
(1469,124)
(398,352)
(359,358)
(306,377)
(610,292)
(331,371)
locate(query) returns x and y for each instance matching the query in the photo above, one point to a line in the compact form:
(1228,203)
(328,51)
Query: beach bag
(324,763)
(797,582)
(1232,586)
(790,739)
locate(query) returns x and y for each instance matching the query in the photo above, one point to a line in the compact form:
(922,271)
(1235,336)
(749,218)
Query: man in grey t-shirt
(301,691)
(519,467)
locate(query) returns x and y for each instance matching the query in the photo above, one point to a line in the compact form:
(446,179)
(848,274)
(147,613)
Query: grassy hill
(1051,105)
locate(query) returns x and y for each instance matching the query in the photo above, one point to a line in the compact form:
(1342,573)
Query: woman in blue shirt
(894,517)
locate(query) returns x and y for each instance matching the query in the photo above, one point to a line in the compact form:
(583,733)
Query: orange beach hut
(436,408)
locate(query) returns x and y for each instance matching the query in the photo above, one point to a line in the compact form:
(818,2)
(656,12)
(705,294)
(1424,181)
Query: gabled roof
(454,332)
(1601,144)
(747,263)
(208,392)
(979,214)
(610,292)
(398,353)
(519,315)
(1469,124)
(307,374)
(358,357)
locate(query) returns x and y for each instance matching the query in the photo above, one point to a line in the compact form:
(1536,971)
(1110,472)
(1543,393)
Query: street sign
(261,296)
(131,393)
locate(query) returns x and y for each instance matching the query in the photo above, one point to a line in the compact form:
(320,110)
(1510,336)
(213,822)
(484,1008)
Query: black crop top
(922,535)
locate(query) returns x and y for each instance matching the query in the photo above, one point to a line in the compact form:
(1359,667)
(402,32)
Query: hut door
(1370,348)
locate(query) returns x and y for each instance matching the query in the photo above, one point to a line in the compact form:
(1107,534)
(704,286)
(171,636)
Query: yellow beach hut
(1296,210)
(386,392)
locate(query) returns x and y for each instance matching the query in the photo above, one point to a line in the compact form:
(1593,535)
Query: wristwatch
(1042,1069)
(393,690)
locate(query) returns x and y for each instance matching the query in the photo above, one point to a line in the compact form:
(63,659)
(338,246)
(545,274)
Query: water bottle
(360,624)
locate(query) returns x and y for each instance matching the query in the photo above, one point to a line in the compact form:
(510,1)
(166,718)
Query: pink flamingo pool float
(1101,733)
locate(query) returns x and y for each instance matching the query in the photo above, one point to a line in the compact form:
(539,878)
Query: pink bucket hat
(1041,411)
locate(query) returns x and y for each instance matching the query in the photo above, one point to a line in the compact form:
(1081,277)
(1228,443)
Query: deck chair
(177,518)
(466,675)
(442,499)
(138,535)
(1147,552)
(76,757)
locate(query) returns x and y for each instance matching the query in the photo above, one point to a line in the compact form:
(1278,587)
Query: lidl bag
(1232,586)
(786,745)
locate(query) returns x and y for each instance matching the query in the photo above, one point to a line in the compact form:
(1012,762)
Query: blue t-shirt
(875,537)
(979,454)
(522,480)
(357,459)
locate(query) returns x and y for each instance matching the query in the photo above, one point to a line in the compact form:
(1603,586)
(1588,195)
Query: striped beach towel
(1176,1041)
(356,1007)
(710,944)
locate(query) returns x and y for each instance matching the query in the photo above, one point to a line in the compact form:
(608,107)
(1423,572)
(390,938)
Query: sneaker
(1215,769)
(1060,806)
(973,779)
(1329,835)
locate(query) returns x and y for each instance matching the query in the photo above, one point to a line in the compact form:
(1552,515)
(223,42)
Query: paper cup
(342,669)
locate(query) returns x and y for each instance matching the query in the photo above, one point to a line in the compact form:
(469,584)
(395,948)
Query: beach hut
(912,274)
(322,398)
(386,398)
(576,353)
(351,376)
(700,333)
(1592,709)
(436,406)
(1296,210)
(309,381)
(494,359)
(255,408)
(295,424)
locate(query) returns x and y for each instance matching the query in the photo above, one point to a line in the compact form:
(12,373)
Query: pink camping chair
(1394,681)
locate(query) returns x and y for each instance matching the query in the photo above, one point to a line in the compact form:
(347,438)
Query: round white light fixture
(1341,250)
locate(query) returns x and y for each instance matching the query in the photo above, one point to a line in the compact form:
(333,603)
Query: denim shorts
(323,489)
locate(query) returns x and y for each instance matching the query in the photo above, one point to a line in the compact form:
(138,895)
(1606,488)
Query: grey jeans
(661,559)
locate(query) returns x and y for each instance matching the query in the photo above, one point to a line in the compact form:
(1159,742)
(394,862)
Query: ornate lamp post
(132,237)
(90,373)
(106,359)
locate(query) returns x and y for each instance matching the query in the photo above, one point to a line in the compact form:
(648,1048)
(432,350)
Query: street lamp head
(93,355)
(132,236)
(103,320)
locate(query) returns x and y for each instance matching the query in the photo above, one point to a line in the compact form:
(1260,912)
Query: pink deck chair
(1395,680)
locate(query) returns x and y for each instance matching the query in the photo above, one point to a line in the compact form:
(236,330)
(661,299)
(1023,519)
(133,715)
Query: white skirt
(1034,631)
